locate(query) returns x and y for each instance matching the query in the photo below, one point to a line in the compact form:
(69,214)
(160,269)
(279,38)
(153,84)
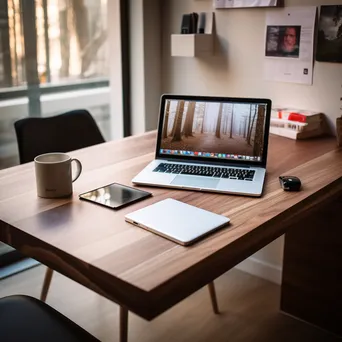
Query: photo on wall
(329,42)
(283,41)
(212,128)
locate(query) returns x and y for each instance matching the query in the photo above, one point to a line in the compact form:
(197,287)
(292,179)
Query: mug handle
(79,168)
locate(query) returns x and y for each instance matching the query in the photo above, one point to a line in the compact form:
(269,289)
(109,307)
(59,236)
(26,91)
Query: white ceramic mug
(54,175)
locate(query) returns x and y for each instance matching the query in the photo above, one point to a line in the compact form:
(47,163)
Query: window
(63,49)
(65,44)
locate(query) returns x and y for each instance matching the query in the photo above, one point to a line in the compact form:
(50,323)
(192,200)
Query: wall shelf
(194,45)
(191,45)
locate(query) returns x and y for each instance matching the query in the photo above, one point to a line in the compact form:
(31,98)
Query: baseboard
(261,269)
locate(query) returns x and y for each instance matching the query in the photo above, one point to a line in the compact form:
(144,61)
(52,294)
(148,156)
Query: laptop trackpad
(196,182)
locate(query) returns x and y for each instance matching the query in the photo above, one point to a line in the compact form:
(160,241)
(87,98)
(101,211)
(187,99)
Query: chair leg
(213,298)
(46,284)
(123,324)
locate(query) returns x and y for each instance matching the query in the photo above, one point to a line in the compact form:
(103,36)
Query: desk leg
(46,284)
(212,292)
(123,324)
(312,269)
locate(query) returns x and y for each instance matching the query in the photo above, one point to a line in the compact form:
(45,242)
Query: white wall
(236,69)
(115,58)
(145,51)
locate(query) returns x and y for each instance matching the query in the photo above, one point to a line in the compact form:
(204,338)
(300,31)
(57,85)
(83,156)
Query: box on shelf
(296,123)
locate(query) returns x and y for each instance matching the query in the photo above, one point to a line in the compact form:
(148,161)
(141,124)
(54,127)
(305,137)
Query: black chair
(24,318)
(61,133)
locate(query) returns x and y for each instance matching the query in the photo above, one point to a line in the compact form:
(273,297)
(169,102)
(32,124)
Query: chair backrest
(24,318)
(61,133)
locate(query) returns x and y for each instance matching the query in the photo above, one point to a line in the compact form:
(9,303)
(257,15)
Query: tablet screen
(115,195)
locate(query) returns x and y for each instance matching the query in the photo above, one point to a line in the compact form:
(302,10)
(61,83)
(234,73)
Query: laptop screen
(215,128)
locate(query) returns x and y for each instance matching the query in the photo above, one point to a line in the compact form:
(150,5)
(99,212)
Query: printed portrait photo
(283,41)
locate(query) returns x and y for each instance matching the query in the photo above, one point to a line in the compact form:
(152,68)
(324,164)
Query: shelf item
(246,3)
(196,44)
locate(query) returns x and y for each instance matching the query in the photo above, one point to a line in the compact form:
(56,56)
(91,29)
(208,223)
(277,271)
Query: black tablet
(115,195)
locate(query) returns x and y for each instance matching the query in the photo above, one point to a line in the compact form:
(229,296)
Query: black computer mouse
(290,183)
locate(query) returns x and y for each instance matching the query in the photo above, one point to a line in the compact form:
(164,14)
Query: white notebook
(177,221)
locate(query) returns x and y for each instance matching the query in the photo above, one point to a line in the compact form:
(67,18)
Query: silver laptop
(216,144)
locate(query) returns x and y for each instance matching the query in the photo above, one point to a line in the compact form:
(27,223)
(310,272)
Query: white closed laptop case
(177,221)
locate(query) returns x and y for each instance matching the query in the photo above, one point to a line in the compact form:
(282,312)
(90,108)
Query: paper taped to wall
(289,45)
(245,3)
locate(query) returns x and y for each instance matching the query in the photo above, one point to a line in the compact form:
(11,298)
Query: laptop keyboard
(206,171)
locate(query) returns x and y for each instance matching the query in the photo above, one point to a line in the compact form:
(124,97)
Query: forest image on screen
(211,128)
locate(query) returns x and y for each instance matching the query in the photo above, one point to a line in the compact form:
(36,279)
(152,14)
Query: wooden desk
(148,274)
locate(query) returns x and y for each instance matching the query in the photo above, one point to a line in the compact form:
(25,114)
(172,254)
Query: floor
(248,305)
(4,248)
(17,267)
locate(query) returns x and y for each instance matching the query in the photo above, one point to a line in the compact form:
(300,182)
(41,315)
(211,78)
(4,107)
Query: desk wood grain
(135,268)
